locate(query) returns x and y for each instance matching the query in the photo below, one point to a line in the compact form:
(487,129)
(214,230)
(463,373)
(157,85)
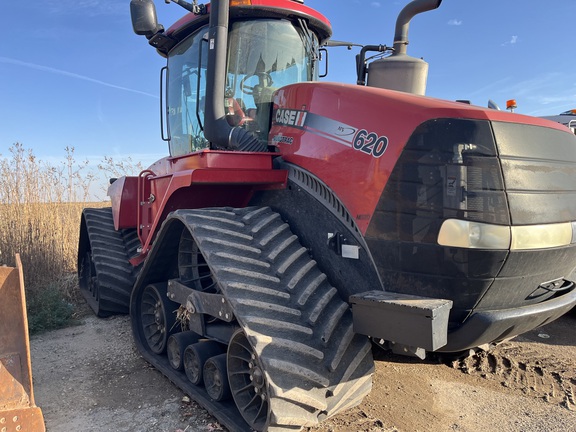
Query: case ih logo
(370,143)
(291,117)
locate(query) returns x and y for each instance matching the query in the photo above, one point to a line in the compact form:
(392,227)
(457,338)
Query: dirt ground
(91,378)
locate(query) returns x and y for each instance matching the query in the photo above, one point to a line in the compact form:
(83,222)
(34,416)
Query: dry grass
(40,209)
(46,237)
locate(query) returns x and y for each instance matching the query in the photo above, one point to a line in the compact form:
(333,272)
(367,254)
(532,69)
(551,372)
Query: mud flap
(18,411)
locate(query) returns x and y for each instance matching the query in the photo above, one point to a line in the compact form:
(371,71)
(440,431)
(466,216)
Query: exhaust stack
(400,71)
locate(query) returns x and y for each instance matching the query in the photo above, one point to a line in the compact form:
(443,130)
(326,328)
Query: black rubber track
(113,276)
(314,364)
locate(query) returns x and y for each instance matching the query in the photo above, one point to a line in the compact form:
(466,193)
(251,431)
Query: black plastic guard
(410,320)
(493,326)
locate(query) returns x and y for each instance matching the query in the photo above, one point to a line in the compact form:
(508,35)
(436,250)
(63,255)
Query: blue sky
(72,72)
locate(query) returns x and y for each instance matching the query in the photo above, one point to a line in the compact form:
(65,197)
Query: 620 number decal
(370,143)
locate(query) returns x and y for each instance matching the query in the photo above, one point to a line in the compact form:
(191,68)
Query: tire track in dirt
(525,370)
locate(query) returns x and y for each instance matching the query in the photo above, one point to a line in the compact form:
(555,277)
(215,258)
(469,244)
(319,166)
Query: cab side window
(186,95)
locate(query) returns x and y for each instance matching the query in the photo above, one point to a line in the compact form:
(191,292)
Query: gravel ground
(91,378)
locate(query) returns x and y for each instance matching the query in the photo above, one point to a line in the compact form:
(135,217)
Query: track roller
(177,344)
(196,355)
(216,378)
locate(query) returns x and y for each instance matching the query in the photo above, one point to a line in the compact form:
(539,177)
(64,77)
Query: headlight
(541,236)
(475,235)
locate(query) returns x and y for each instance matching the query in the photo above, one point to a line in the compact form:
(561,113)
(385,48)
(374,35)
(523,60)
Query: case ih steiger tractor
(296,223)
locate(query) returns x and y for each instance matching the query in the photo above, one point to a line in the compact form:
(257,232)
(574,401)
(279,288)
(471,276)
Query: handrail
(142,177)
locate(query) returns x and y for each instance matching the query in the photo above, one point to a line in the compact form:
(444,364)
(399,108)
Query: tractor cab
(263,55)
(267,47)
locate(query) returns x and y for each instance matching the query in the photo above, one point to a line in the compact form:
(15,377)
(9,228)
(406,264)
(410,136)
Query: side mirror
(144,19)
(323,59)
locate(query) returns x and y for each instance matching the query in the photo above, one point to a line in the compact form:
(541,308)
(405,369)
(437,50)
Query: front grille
(539,166)
(475,170)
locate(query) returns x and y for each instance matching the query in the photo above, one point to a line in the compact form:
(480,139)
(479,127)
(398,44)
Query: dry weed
(40,209)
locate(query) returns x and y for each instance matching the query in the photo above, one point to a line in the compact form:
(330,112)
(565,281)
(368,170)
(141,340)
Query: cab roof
(243,9)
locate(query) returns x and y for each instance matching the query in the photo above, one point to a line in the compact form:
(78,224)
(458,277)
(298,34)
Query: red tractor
(296,223)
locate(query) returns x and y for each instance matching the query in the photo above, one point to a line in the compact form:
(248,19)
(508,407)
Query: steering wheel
(264,80)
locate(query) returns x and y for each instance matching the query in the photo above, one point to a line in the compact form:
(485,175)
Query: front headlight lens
(541,236)
(475,235)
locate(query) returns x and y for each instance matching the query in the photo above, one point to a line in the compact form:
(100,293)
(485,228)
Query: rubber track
(315,365)
(111,251)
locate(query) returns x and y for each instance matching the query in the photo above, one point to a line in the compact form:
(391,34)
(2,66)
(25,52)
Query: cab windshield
(263,55)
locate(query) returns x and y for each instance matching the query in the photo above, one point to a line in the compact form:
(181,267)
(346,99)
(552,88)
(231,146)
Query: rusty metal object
(18,412)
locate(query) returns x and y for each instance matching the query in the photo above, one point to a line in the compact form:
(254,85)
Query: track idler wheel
(157,317)
(177,344)
(196,355)
(216,378)
(247,381)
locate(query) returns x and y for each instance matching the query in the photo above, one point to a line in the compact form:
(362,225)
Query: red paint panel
(287,5)
(270,179)
(124,196)
(292,6)
(345,128)
(202,179)
(213,159)
(185,20)
(217,179)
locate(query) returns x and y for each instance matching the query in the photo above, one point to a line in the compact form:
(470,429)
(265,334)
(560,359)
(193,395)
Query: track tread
(315,365)
(111,251)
